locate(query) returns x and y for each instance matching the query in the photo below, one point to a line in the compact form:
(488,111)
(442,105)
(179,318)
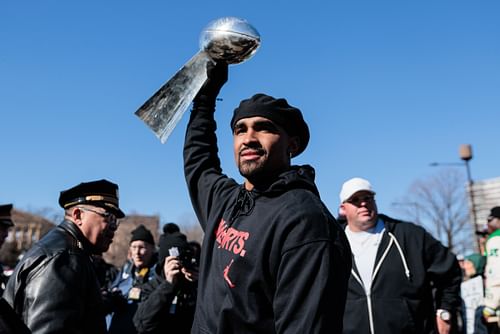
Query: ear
(76,216)
(293,145)
(341,210)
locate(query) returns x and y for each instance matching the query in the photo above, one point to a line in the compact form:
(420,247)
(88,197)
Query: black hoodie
(414,274)
(273,260)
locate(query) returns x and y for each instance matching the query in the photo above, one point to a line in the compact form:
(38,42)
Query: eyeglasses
(357,200)
(109,217)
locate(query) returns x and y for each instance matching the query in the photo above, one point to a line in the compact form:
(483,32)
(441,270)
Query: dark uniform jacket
(410,267)
(54,288)
(273,260)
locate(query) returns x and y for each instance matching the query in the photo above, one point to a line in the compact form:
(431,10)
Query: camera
(186,257)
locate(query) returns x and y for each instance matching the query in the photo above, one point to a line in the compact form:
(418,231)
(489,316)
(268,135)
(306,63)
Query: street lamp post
(466,156)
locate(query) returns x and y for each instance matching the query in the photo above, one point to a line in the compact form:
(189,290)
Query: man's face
(4,233)
(140,253)
(261,147)
(469,268)
(360,211)
(97,225)
(493,224)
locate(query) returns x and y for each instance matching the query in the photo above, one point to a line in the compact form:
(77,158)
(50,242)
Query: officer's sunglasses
(357,200)
(109,217)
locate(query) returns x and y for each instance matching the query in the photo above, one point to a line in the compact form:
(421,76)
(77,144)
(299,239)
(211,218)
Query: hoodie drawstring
(403,259)
(243,206)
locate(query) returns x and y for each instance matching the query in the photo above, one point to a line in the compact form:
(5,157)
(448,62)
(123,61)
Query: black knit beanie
(278,111)
(142,233)
(171,228)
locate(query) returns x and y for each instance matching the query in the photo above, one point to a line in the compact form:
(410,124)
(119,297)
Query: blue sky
(386,86)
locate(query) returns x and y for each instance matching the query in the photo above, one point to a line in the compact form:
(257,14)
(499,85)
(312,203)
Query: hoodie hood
(297,177)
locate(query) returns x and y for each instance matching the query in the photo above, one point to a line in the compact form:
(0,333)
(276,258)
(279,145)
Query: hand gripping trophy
(228,39)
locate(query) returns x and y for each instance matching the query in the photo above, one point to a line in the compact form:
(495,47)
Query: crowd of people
(484,268)
(273,259)
(63,285)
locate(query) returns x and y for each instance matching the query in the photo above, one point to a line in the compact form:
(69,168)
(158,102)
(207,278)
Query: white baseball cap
(352,186)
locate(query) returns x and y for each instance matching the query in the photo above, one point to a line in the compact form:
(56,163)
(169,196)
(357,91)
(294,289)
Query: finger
(170,258)
(173,265)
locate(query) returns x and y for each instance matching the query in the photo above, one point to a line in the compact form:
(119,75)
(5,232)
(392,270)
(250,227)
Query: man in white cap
(396,267)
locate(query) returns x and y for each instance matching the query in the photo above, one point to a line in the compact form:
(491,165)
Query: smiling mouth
(250,154)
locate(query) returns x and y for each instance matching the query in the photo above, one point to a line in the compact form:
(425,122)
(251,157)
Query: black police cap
(5,215)
(100,193)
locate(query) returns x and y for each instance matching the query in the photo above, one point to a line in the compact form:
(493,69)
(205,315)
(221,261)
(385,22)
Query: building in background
(29,228)
(486,194)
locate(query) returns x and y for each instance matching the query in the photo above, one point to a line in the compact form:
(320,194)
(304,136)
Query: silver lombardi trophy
(228,39)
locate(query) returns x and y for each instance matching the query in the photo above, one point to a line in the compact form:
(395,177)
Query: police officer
(5,224)
(54,289)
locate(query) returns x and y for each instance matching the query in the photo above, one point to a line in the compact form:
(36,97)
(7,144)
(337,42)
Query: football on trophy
(230,39)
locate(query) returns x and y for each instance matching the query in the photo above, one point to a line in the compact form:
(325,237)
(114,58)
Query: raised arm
(201,162)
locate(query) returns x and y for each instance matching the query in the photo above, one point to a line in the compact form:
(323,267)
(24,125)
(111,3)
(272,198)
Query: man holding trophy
(274,258)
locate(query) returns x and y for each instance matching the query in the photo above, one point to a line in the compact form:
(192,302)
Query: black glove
(217,74)
(113,301)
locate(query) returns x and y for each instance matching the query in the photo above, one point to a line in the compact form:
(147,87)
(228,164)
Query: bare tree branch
(439,203)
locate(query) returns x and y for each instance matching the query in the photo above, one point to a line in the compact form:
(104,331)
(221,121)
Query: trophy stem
(165,108)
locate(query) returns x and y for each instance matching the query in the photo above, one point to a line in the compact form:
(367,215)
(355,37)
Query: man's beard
(258,172)
(251,169)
